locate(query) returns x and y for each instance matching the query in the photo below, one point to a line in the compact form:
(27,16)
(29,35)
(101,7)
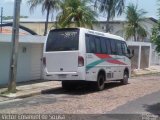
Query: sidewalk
(31,88)
(147,71)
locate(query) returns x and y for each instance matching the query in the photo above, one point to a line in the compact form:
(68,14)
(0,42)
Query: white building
(29,59)
(117,27)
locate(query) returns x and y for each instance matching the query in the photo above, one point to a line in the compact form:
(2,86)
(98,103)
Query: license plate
(62,76)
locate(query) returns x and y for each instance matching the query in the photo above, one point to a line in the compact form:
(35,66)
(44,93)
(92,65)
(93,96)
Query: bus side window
(108,45)
(92,44)
(119,47)
(87,44)
(113,47)
(124,49)
(103,46)
(98,45)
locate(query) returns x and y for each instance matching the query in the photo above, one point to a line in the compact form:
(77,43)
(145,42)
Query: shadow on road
(81,90)
(154,109)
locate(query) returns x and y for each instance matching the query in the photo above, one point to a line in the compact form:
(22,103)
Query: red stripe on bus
(104,56)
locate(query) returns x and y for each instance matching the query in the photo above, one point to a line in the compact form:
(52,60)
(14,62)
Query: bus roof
(102,34)
(93,32)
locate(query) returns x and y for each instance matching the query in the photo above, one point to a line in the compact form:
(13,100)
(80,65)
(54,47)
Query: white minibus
(78,54)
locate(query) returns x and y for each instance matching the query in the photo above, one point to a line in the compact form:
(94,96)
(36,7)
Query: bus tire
(124,81)
(100,84)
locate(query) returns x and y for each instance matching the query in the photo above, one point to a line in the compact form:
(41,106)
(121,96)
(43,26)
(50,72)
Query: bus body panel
(66,60)
(113,65)
(61,61)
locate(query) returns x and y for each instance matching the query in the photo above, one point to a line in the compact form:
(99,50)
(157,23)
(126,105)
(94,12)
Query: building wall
(29,62)
(155,58)
(117,27)
(37,27)
(145,57)
(4,62)
(36,56)
(134,60)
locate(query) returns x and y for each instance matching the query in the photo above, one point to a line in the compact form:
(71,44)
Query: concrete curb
(145,74)
(28,93)
(34,93)
(14,96)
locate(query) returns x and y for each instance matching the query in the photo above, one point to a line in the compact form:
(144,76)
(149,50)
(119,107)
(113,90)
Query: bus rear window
(63,40)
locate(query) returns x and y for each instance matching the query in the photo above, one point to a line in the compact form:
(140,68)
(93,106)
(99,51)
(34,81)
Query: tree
(111,8)
(155,38)
(47,5)
(76,13)
(134,26)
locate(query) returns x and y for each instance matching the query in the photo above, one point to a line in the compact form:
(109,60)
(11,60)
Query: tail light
(44,61)
(80,61)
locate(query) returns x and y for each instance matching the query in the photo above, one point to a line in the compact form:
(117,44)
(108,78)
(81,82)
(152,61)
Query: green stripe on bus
(93,64)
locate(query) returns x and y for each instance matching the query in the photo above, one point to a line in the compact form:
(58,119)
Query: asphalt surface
(148,104)
(56,100)
(133,110)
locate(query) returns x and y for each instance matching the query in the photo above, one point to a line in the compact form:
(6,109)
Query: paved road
(86,100)
(147,104)
(133,110)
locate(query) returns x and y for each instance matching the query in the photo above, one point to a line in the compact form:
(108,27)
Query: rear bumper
(64,76)
(74,76)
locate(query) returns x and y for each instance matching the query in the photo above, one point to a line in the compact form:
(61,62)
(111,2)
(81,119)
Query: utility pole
(1,17)
(14,47)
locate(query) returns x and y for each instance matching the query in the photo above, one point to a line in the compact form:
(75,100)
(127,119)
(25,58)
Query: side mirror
(129,52)
(131,55)
(133,52)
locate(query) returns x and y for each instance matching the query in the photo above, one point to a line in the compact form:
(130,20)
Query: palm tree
(134,18)
(47,5)
(77,13)
(155,37)
(111,8)
(158,10)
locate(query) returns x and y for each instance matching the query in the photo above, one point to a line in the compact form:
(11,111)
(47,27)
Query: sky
(149,6)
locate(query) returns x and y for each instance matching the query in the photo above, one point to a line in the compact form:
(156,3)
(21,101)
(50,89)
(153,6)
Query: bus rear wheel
(124,81)
(100,84)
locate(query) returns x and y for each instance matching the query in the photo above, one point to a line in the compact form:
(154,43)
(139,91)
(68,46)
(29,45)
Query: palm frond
(76,12)
(47,5)
(134,18)
(34,3)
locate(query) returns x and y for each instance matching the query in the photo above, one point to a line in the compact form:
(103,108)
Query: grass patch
(6,92)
